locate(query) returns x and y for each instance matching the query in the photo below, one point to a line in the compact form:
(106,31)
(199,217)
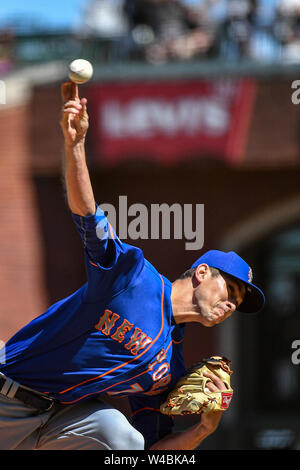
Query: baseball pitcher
(120,334)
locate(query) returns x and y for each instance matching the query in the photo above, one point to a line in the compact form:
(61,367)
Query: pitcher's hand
(74,120)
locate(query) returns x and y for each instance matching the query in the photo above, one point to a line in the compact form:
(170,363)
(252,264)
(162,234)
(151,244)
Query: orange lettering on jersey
(106,322)
(160,386)
(161,371)
(161,356)
(137,341)
(135,388)
(119,334)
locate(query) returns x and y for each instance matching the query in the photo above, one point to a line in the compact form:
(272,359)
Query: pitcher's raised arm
(74,123)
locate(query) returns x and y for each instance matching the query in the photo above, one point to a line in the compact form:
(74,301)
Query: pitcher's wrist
(75,145)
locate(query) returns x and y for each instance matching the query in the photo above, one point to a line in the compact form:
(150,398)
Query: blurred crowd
(164,30)
(6,51)
(159,31)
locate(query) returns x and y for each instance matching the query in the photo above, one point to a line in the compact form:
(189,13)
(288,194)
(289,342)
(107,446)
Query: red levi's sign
(169,121)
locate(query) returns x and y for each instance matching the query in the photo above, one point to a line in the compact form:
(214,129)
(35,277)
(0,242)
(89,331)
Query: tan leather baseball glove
(190,395)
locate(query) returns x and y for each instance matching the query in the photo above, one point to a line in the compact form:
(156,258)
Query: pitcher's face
(217,297)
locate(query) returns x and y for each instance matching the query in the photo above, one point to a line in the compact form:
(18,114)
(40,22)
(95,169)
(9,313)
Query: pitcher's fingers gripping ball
(194,393)
(74,121)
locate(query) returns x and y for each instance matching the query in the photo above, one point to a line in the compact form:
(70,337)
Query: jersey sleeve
(97,236)
(110,264)
(148,420)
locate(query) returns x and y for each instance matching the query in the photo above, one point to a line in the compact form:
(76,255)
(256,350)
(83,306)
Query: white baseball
(80,71)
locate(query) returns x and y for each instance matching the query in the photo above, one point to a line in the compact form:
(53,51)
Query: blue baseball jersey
(115,335)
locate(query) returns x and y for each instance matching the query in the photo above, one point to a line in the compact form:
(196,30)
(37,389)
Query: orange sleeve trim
(177,342)
(94,264)
(111,232)
(133,359)
(146,408)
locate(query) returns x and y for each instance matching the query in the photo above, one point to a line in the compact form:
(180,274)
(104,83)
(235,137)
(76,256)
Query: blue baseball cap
(232,264)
